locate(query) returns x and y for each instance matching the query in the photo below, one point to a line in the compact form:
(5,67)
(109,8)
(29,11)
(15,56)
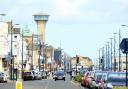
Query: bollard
(18,85)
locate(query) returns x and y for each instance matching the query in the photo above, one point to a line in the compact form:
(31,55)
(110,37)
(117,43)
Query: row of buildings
(21,50)
(25,46)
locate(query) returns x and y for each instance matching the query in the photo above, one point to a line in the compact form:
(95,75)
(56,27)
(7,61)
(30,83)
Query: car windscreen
(98,77)
(59,73)
(27,73)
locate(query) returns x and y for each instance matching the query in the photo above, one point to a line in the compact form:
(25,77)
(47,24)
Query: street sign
(124,48)
(124,45)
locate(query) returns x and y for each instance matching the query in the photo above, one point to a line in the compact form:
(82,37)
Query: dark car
(28,76)
(59,75)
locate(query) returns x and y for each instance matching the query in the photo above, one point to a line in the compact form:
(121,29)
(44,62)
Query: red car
(88,80)
(85,80)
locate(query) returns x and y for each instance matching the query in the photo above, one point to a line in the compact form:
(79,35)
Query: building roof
(41,13)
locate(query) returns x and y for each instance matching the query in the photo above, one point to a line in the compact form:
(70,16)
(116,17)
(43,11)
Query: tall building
(84,62)
(4,47)
(41,19)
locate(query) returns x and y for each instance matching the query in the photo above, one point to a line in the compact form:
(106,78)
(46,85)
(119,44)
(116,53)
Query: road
(43,84)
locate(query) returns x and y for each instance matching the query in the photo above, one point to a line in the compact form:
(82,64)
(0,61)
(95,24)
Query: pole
(126,70)
(39,54)
(111,53)
(13,66)
(103,59)
(11,53)
(43,58)
(99,59)
(22,53)
(108,58)
(114,53)
(119,51)
(32,51)
(76,64)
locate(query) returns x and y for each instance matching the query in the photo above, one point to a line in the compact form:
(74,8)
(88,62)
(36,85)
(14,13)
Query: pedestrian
(73,74)
(70,75)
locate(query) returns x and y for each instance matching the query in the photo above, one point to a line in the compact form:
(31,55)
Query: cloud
(68,11)
(67,8)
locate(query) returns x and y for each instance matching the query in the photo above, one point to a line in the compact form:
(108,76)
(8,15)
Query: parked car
(28,76)
(3,77)
(88,80)
(59,75)
(99,79)
(43,75)
(37,75)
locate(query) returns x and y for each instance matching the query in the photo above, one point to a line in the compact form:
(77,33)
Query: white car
(3,77)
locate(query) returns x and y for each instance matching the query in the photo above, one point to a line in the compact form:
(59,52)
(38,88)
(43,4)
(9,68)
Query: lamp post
(2,14)
(39,52)
(114,51)
(103,62)
(111,54)
(119,51)
(11,53)
(99,59)
(119,46)
(108,56)
(32,51)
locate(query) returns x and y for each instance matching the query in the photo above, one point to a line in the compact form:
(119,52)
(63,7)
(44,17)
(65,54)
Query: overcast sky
(78,26)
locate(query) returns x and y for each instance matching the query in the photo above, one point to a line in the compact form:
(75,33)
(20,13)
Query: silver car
(3,77)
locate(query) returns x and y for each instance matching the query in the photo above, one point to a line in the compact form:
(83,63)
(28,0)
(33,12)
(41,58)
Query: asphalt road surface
(43,84)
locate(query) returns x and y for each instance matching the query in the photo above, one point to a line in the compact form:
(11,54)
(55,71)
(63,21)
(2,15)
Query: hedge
(120,88)
(78,78)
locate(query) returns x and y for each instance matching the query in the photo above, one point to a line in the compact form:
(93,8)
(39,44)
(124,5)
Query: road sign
(124,45)
(18,85)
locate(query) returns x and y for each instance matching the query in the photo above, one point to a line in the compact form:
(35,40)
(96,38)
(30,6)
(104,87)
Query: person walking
(70,75)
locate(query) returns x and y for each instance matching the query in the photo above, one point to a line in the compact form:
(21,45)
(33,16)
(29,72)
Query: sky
(79,27)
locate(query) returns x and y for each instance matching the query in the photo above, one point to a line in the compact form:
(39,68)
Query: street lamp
(12,58)
(39,53)
(2,14)
(111,54)
(115,51)
(125,25)
(119,46)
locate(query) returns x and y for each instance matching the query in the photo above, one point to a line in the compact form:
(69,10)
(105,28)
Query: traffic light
(77,60)
(101,60)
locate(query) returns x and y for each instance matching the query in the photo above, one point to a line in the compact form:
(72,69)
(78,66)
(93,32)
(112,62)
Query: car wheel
(82,84)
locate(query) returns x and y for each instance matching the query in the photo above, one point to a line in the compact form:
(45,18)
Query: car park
(3,77)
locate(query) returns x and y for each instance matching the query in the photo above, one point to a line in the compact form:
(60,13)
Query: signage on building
(3,39)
